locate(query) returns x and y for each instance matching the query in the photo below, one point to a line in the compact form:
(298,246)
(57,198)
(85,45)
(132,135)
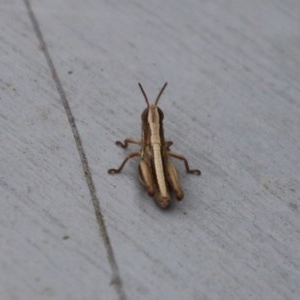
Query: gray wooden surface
(68,89)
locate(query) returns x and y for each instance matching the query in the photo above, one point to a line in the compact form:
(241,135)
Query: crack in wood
(116,279)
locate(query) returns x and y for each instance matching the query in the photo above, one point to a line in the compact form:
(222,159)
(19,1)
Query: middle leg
(128,141)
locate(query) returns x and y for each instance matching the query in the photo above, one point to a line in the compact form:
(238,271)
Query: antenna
(161,91)
(144,94)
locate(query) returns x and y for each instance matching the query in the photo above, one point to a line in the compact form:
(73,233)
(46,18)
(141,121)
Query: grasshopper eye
(161,114)
(144,115)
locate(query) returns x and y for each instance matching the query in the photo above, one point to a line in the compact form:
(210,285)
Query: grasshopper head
(152,114)
(152,110)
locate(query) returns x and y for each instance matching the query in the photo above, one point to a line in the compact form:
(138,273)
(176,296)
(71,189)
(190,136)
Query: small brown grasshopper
(157,173)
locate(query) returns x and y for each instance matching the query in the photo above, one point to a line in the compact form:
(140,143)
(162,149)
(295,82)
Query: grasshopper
(157,173)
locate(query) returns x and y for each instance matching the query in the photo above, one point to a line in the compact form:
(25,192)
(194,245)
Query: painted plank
(50,246)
